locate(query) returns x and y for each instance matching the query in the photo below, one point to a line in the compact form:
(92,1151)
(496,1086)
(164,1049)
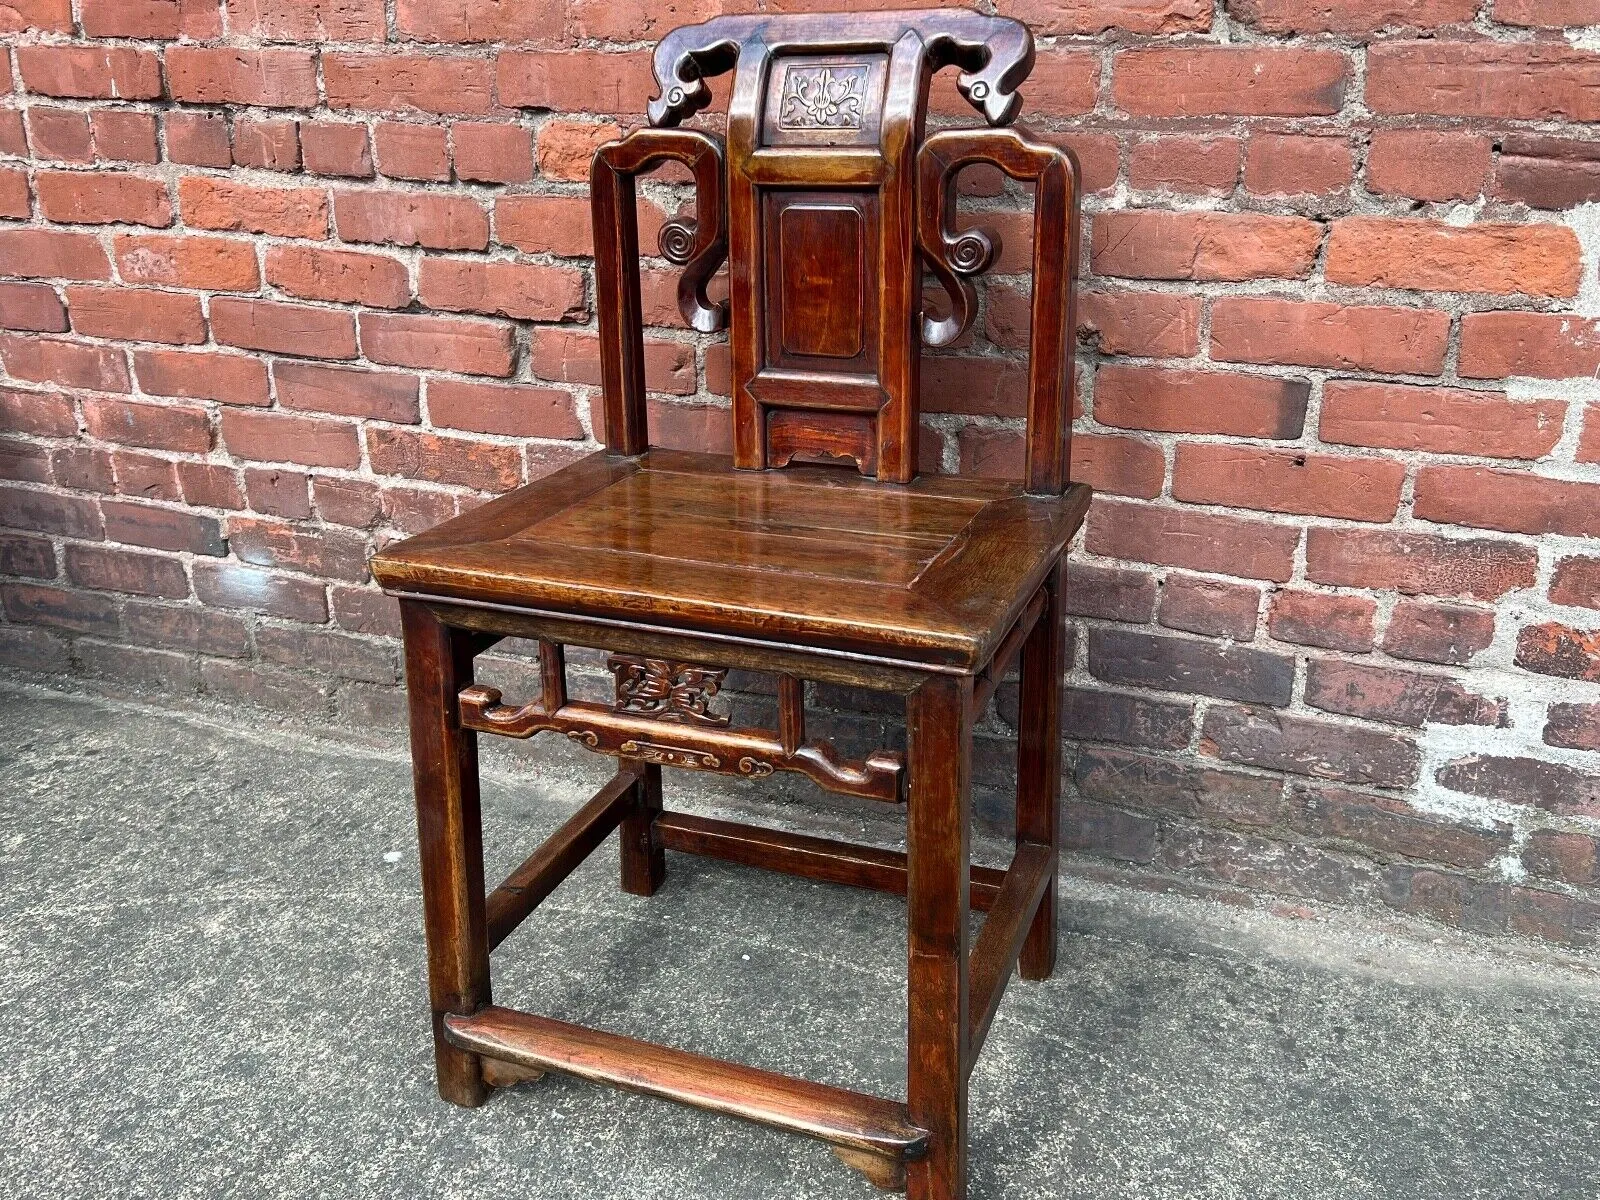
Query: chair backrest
(828,200)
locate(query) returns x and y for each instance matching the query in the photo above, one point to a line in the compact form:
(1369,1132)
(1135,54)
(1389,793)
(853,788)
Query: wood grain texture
(835,1115)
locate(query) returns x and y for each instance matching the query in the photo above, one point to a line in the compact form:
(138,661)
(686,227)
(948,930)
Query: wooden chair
(827,200)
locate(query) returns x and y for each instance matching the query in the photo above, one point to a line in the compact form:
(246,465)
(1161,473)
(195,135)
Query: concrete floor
(213,987)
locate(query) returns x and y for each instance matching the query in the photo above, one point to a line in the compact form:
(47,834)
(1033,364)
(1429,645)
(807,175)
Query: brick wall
(285,279)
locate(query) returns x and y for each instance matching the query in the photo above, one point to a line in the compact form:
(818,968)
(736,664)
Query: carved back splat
(826,225)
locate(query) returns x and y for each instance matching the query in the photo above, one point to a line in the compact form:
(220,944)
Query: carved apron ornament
(666,690)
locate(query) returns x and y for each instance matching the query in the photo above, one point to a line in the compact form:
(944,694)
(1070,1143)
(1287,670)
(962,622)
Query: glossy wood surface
(936,571)
(832,1114)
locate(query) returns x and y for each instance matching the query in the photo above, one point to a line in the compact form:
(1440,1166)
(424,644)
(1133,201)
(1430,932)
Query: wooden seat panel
(934,571)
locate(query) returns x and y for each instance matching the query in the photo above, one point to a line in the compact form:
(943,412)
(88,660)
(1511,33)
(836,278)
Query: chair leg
(644,862)
(939,759)
(1039,769)
(450,837)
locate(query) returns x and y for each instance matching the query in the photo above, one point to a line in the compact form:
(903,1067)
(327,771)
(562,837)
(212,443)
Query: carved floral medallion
(823,97)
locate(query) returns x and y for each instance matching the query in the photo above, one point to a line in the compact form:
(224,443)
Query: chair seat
(934,571)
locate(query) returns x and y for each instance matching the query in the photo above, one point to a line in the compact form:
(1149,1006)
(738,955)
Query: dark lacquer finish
(827,201)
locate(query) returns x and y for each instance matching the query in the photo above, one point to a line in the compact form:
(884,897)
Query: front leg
(939,733)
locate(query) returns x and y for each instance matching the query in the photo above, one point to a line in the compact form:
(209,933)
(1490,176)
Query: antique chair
(827,200)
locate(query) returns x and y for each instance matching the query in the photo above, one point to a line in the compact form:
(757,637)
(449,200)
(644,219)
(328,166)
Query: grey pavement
(212,986)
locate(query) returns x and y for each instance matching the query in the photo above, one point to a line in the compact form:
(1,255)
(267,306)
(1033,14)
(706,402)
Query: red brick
(1278,741)
(479,20)
(194,630)
(463,462)
(1110,593)
(1358,489)
(546,225)
(199,139)
(1159,324)
(1544,172)
(439,343)
(1529,81)
(352,502)
(1049,18)
(505,289)
(136,314)
(515,411)
(1179,537)
(279,437)
(29,557)
(1531,260)
(575,358)
(1440,420)
(1547,14)
(706,428)
(1206,668)
(1438,633)
(330,553)
(147,476)
(365,610)
(60,134)
(1245,81)
(175,529)
(1576,726)
(24,461)
(1546,785)
(86,468)
(1316,619)
(43,414)
(103,569)
(1064,83)
(1298,165)
(1419,564)
(52,254)
(13,138)
(70,364)
(1576,582)
(103,198)
(209,485)
(1392,826)
(430,83)
(348,391)
(46,512)
(124,136)
(15,199)
(210,203)
(1556,649)
(308,20)
(1495,345)
(1511,500)
(146,19)
(492,153)
(58,608)
(1570,857)
(90,72)
(1189,164)
(34,307)
(1313,334)
(1203,245)
(1120,466)
(988,386)
(336,148)
(342,276)
(566,148)
(1181,401)
(640,20)
(189,261)
(411,219)
(1428,165)
(575,80)
(278,492)
(283,328)
(227,74)
(1351,16)
(202,375)
(1206,606)
(43,16)
(230,585)
(272,145)
(408,151)
(178,427)
(1099,160)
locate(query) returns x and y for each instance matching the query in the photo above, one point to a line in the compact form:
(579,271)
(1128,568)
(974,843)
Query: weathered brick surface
(282,280)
